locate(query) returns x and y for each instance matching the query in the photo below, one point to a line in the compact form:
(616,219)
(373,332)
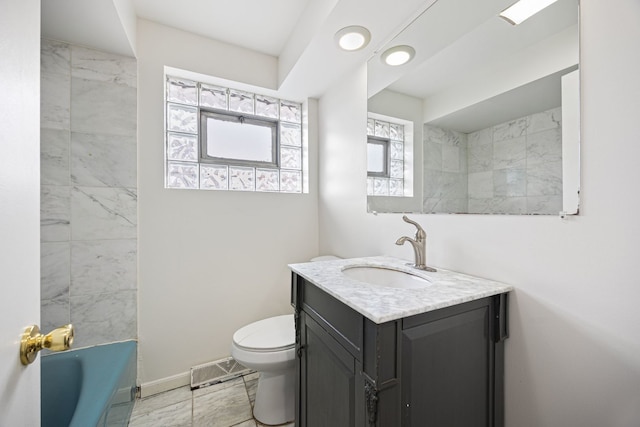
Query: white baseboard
(165,384)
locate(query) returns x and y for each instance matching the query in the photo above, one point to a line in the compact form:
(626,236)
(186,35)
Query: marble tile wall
(88,193)
(511,168)
(445,188)
(516,167)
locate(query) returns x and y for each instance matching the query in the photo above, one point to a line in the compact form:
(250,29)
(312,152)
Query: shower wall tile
(54,157)
(451,158)
(481,185)
(53,313)
(480,157)
(102,108)
(454,185)
(510,130)
(55,100)
(510,183)
(510,154)
(544,205)
(55,57)
(84,279)
(99,160)
(55,263)
(104,318)
(480,206)
(509,205)
(432,156)
(432,185)
(90,64)
(55,213)
(481,137)
(545,179)
(103,266)
(103,213)
(544,147)
(550,119)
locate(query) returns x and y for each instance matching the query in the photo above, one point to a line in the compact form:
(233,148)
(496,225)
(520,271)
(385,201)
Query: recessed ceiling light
(524,9)
(398,55)
(353,38)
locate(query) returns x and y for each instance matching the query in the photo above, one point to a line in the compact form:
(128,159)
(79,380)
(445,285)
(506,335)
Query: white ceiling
(298,32)
(264,26)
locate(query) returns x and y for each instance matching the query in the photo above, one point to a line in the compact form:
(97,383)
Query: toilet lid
(272,334)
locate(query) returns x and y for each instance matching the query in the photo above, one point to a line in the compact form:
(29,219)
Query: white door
(19,207)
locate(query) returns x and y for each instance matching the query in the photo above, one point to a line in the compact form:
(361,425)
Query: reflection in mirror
(494,109)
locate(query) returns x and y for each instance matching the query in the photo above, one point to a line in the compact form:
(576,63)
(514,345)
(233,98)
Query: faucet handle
(420,233)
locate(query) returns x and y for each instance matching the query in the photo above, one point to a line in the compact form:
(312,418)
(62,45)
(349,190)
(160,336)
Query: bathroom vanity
(397,355)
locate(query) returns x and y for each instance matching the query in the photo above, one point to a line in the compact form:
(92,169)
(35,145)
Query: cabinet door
(327,379)
(447,371)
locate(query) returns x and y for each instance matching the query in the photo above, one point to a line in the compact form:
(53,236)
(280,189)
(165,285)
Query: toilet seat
(267,335)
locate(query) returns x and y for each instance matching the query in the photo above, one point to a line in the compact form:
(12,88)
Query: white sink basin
(386,277)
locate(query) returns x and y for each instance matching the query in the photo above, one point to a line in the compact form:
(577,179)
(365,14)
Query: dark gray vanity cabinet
(440,368)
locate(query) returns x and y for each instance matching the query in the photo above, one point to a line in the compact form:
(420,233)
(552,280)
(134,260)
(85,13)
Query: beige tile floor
(220,405)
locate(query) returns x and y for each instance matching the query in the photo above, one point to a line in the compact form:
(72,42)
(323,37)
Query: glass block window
(385,158)
(220,138)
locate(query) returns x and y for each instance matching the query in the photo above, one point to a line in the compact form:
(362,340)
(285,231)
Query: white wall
(209,261)
(572,358)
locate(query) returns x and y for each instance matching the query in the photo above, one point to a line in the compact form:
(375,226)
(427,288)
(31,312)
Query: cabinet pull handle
(299,351)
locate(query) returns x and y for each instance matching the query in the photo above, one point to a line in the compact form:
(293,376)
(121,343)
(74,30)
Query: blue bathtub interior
(89,387)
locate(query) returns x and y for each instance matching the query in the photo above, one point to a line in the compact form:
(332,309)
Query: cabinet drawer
(339,320)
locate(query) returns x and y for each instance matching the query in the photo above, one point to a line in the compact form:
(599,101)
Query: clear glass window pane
(290,157)
(382,129)
(376,158)
(267,107)
(290,134)
(182,91)
(290,112)
(241,178)
(214,177)
(182,175)
(182,119)
(290,181)
(213,96)
(235,138)
(240,101)
(267,179)
(182,147)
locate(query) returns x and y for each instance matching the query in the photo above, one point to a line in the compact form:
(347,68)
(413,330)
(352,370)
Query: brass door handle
(32,341)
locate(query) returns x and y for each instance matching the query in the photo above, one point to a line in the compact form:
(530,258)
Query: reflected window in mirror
(387,161)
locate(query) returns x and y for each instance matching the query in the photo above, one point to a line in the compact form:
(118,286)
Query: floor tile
(161,400)
(175,415)
(251,383)
(223,407)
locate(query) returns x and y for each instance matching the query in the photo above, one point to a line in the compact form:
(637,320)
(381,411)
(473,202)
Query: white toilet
(268,346)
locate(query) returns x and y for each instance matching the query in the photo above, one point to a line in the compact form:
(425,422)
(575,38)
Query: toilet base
(275,399)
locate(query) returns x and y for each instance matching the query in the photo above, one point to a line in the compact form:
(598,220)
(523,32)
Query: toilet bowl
(268,346)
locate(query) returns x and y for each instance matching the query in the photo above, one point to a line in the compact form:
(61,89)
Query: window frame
(386,143)
(231,116)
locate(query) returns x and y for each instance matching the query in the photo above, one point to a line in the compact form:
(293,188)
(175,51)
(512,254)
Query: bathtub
(89,387)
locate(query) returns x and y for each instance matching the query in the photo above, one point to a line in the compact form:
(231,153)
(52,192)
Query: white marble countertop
(383,304)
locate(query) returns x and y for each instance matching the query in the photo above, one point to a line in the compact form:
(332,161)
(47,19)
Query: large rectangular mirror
(485,118)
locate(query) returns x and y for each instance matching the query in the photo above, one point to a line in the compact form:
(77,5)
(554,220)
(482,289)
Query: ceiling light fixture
(398,55)
(353,38)
(524,9)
